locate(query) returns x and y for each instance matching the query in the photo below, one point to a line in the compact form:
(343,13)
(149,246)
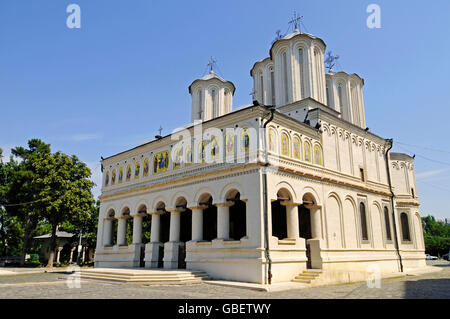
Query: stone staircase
(308,276)
(144,276)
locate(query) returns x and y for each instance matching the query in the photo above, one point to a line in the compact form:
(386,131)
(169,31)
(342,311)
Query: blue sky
(108,86)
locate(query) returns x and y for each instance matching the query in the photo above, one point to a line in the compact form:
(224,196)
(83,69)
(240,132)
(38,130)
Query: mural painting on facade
(161,162)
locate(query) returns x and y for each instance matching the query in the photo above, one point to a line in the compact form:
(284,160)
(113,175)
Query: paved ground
(54,285)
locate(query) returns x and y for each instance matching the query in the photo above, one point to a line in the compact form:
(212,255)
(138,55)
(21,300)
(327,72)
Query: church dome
(212,97)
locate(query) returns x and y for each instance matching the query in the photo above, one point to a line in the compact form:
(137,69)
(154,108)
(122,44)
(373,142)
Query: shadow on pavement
(428,288)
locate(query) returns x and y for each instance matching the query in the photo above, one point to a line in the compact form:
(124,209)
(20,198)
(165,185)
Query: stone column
(197,223)
(58,254)
(152,249)
(107,234)
(137,229)
(223,220)
(122,232)
(71,254)
(174,235)
(292,219)
(316,223)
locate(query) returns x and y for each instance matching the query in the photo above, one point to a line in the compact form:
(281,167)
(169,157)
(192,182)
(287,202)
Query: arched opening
(110,229)
(405,227)
(209,217)
(128,221)
(146,223)
(185,229)
(304,223)
(279,218)
(164,230)
(238,215)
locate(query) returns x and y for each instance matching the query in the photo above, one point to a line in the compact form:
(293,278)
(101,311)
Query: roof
(59,234)
(211,76)
(294,34)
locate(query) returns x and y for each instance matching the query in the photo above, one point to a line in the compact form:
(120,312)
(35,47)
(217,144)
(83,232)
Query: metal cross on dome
(160,130)
(295,20)
(211,64)
(330,61)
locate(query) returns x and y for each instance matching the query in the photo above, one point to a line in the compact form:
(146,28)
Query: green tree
(65,192)
(436,236)
(23,193)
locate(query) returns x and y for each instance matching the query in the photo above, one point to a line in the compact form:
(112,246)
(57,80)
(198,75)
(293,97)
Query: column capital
(157,212)
(174,210)
(202,207)
(286,203)
(225,204)
(138,215)
(313,206)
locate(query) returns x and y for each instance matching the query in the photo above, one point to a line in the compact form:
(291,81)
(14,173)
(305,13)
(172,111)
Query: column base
(152,254)
(315,255)
(171,254)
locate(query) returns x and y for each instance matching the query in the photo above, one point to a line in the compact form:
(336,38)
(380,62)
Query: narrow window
(412,192)
(200,110)
(405,227)
(340,96)
(261,79)
(272,85)
(285,78)
(214,106)
(302,84)
(328,97)
(361,172)
(387,224)
(362,212)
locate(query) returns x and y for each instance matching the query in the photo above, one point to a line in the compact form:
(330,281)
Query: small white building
(262,193)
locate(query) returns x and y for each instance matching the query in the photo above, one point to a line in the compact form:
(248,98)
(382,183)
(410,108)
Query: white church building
(264,192)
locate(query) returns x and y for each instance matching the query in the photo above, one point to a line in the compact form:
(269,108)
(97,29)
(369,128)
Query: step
(304,281)
(129,276)
(152,281)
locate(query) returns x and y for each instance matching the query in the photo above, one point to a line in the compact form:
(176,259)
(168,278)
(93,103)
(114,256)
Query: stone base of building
(119,256)
(153,255)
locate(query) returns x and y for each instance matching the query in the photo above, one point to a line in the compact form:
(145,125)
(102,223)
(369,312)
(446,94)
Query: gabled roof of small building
(59,234)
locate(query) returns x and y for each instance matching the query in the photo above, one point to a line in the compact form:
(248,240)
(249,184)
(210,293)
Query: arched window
(177,159)
(188,155)
(272,140)
(272,85)
(355,105)
(387,224)
(214,103)
(245,140)
(284,144)
(261,86)
(285,77)
(341,104)
(199,106)
(362,212)
(128,176)
(113,177)
(137,169)
(308,152)
(328,96)
(229,144)
(121,175)
(146,167)
(227,95)
(107,179)
(302,72)
(296,148)
(214,147)
(317,155)
(405,227)
(317,60)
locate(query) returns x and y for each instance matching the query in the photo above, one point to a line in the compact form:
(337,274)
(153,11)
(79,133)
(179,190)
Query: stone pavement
(54,285)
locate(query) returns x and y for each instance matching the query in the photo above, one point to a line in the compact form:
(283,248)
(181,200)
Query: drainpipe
(265,200)
(391,143)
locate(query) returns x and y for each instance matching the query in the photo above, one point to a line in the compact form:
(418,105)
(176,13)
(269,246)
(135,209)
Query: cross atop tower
(295,21)
(330,61)
(160,130)
(211,64)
